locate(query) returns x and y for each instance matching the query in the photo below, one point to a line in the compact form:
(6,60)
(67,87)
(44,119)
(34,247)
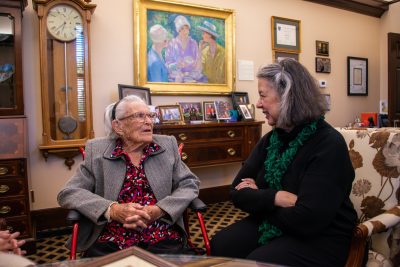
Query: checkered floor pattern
(50,244)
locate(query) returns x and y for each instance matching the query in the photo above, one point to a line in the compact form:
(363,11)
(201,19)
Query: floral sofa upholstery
(375,155)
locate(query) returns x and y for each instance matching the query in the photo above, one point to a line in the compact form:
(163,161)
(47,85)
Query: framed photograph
(285,34)
(245,112)
(132,256)
(159,25)
(322,48)
(240,98)
(191,111)
(209,111)
(279,55)
(328,101)
(357,76)
(323,65)
(223,110)
(142,92)
(170,114)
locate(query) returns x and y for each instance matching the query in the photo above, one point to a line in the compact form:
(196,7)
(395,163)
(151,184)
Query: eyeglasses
(140,116)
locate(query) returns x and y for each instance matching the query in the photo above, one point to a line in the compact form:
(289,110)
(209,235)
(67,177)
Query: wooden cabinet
(214,143)
(14,200)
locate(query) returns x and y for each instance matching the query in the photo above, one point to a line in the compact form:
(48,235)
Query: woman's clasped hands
(135,216)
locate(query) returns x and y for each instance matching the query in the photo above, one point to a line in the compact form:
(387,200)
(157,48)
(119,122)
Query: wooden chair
(197,206)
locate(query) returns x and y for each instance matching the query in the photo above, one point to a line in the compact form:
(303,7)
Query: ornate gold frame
(140,47)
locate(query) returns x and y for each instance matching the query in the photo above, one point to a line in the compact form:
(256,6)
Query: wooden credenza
(210,144)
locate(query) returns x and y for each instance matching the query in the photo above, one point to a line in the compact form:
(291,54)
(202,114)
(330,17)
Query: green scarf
(276,164)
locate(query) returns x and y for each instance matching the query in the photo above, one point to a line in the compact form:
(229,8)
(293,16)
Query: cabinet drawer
(18,224)
(12,187)
(12,207)
(206,134)
(11,168)
(213,153)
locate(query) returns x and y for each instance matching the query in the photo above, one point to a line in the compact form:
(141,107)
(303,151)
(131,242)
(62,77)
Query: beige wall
(349,34)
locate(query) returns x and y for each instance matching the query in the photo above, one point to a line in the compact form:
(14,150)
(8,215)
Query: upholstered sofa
(375,155)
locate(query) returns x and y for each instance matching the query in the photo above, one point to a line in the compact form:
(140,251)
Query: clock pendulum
(67,124)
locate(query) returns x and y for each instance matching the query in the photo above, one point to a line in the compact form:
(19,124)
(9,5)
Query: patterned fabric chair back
(375,155)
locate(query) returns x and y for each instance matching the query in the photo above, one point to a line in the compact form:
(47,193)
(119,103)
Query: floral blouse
(136,189)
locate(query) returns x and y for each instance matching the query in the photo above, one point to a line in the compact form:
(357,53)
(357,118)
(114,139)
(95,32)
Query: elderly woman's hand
(131,215)
(9,242)
(155,212)
(246,183)
(285,199)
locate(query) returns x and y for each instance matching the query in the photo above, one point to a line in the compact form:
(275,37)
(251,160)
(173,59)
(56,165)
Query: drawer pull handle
(184,156)
(231,151)
(4,188)
(231,134)
(182,136)
(5,209)
(3,170)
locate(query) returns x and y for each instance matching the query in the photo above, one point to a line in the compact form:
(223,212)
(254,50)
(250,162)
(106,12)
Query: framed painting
(279,55)
(240,98)
(322,48)
(170,114)
(223,110)
(191,111)
(163,65)
(285,34)
(142,92)
(209,111)
(357,76)
(133,256)
(322,65)
(245,112)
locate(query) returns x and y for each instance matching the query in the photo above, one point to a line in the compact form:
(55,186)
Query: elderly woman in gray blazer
(132,186)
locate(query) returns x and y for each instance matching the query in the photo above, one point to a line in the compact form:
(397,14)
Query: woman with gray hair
(132,186)
(295,185)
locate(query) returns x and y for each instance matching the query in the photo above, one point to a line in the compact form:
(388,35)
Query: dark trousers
(240,240)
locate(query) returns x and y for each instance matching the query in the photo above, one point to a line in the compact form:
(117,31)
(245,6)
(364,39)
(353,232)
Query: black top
(321,175)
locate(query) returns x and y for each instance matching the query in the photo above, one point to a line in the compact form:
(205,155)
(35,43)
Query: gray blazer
(98,181)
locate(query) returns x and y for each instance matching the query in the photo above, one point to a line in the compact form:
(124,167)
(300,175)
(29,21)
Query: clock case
(65,84)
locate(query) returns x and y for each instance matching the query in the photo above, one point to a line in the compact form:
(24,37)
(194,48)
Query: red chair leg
(74,240)
(204,233)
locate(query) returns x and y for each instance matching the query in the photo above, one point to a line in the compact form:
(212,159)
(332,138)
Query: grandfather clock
(64,36)
(14,198)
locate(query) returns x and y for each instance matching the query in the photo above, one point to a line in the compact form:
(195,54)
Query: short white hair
(181,21)
(158,33)
(118,108)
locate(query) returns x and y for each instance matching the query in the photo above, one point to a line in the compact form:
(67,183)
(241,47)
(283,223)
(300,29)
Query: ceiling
(374,8)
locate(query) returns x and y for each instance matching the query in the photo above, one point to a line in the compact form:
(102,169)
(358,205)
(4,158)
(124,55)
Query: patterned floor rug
(50,244)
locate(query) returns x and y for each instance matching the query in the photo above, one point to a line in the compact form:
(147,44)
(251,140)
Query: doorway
(394,79)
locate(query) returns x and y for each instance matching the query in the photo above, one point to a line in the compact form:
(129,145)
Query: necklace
(276,164)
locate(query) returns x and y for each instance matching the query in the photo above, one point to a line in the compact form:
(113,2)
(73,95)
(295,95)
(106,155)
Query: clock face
(64,22)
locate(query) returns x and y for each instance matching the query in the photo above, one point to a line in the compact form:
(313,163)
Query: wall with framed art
(113,56)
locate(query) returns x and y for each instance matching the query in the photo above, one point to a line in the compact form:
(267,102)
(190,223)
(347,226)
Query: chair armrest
(382,222)
(197,205)
(377,224)
(73,216)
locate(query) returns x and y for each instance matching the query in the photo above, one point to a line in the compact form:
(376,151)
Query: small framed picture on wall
(323,65)
(322,48)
